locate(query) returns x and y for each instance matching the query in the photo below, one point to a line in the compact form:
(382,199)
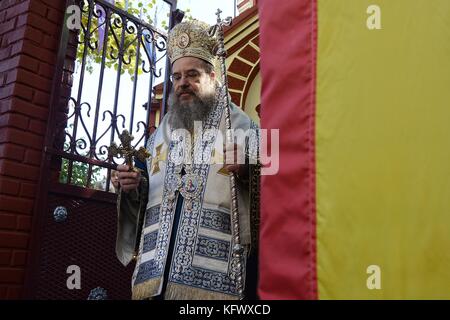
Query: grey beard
(183,115)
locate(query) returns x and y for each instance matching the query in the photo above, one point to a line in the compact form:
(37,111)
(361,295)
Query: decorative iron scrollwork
(115,42)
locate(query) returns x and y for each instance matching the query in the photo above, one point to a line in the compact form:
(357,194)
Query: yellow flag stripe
(383,149)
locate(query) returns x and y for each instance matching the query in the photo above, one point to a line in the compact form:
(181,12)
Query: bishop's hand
(235,160)
(128,180)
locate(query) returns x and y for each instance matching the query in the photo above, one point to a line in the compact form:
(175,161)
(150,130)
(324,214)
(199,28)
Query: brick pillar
(29,36)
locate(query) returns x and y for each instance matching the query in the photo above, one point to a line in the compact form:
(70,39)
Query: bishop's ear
(213,75)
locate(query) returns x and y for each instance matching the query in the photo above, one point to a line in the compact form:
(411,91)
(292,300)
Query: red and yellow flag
(360,208)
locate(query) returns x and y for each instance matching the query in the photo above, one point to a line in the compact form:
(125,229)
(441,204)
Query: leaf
(93,58)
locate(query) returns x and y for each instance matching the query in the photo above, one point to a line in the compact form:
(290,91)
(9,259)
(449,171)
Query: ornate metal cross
(158,158)
(126,150)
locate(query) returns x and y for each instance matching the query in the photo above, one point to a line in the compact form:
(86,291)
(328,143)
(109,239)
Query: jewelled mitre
(191,39)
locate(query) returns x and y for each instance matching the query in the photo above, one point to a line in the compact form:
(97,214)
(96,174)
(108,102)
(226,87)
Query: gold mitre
(191,39)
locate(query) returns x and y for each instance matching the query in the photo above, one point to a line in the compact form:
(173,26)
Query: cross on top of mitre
(220,22)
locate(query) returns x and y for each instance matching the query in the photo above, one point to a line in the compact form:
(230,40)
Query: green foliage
(94,57)
(79,173)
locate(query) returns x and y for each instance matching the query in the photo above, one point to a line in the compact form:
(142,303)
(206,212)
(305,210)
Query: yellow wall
(253,98)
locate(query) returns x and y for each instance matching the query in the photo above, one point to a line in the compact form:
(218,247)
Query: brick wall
(29,36)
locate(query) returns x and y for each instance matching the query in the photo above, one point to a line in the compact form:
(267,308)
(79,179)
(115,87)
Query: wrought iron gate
(75,217)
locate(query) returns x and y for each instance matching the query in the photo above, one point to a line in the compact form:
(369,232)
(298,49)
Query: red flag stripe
(288,34)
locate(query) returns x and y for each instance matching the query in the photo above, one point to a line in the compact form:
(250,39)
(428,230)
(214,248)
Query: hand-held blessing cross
(126,151)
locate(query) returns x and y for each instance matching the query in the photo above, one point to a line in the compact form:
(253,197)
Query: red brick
(54,16)
(8,221)
(17,48)
(46,70)
(22,19)
(38,127)
(41,98)
(28,190)
(29,63)
(3,292)
(33,157)
(3,77)
(23,91)
(13,240)
(7,91)
(25,32)
(5,257)
(5,4)
(14,293)
(2,15)
(9,64)
(4,53)
(17,10)
(34,35)
(42,54)
(18,170)
(14,36)
(42,23)
(24,223)
(58,5)
(14,120)
(21,137)
(38,7)
(23,107)
(29,78)
(16,89)
(10,275)
(11,151)
(7,26)
(19,258)
(14,204)
(9,186)
(49,42)
(10,77)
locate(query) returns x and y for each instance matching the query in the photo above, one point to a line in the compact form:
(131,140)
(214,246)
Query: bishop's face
(191,81)
(193,93)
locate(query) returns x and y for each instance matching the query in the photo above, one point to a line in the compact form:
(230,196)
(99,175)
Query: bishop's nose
(184,82)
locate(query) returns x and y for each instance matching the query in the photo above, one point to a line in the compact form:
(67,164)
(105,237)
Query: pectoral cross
(158,158)
(126,151)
